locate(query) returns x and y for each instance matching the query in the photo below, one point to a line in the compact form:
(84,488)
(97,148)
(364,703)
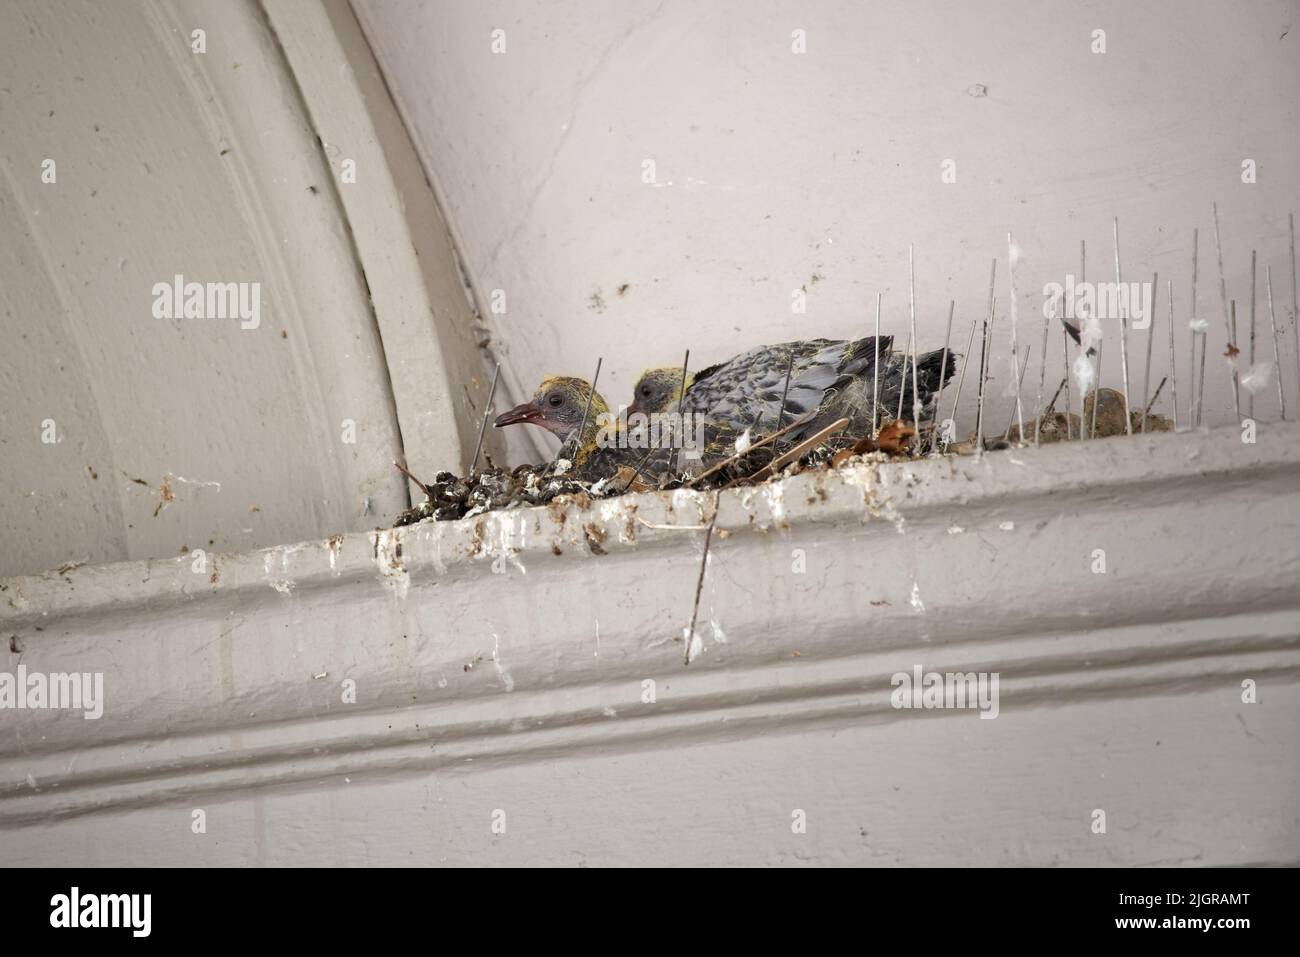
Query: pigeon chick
(559,405)
(658,390)
(605,444)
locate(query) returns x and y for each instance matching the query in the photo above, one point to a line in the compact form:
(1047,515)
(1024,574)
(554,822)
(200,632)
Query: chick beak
(528,412)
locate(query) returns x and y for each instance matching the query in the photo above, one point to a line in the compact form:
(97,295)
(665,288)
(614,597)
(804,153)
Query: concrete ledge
(226,683)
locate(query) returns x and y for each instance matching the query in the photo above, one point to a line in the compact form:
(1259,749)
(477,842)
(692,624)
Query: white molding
(210,687)
(401,236)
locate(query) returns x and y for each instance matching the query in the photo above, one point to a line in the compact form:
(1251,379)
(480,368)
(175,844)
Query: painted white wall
(222,165)
(778,171)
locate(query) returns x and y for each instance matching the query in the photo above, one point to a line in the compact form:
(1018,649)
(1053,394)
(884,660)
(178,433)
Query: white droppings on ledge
(281,582)
(719,635)
(955,529)
(507,682)
(694,644)
(687,496)
(1257,378)
(275,561)
(874,485)
(495,535)
(775,495)
(917,604)
(1083,374)
(438,563)
(1007,526)
(505,537)
(392,571)
(616,511)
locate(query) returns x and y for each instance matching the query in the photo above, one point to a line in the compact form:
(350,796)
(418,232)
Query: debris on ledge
(449,497)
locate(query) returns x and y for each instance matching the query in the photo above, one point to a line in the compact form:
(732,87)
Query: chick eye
(555,399)
(645,390)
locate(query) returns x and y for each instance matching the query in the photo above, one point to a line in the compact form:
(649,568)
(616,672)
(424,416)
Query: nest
(449,497)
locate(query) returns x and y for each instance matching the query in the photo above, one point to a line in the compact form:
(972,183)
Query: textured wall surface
(124,435)
(778,171)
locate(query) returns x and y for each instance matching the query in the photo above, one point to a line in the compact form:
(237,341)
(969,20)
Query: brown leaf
(623,476)
(895,437)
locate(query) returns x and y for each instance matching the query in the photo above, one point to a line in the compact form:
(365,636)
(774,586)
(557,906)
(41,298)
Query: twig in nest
(636,472)
(731,460)
(798,451)
(402,468)
(699,584)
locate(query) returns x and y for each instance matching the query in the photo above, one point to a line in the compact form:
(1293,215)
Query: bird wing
(754,383)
